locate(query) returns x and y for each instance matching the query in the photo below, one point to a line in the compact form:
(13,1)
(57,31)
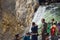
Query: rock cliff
(16,16)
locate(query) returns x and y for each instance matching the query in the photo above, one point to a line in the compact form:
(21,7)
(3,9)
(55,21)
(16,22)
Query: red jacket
(53,31)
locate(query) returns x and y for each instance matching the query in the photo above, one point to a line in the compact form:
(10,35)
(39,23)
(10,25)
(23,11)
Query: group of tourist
(48,29)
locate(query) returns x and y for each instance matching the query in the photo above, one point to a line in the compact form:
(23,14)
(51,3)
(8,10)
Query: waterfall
(39,14)
(48,12)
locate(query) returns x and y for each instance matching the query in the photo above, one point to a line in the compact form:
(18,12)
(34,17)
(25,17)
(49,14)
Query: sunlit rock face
(8,20)
(25,11)
(16,15)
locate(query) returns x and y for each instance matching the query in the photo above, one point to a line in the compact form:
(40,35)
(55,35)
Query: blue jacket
(26,38)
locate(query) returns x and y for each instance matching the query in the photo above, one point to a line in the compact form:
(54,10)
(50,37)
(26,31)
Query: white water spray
(39,14)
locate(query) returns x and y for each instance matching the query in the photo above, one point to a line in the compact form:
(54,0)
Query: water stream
(48,12)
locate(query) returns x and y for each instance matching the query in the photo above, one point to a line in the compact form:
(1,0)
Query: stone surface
(16,16)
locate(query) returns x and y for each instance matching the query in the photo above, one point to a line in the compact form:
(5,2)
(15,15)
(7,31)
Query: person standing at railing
(34,32)
(44,29)
(54,30)
(58,26)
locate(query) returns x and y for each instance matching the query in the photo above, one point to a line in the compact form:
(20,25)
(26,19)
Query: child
(27,36)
